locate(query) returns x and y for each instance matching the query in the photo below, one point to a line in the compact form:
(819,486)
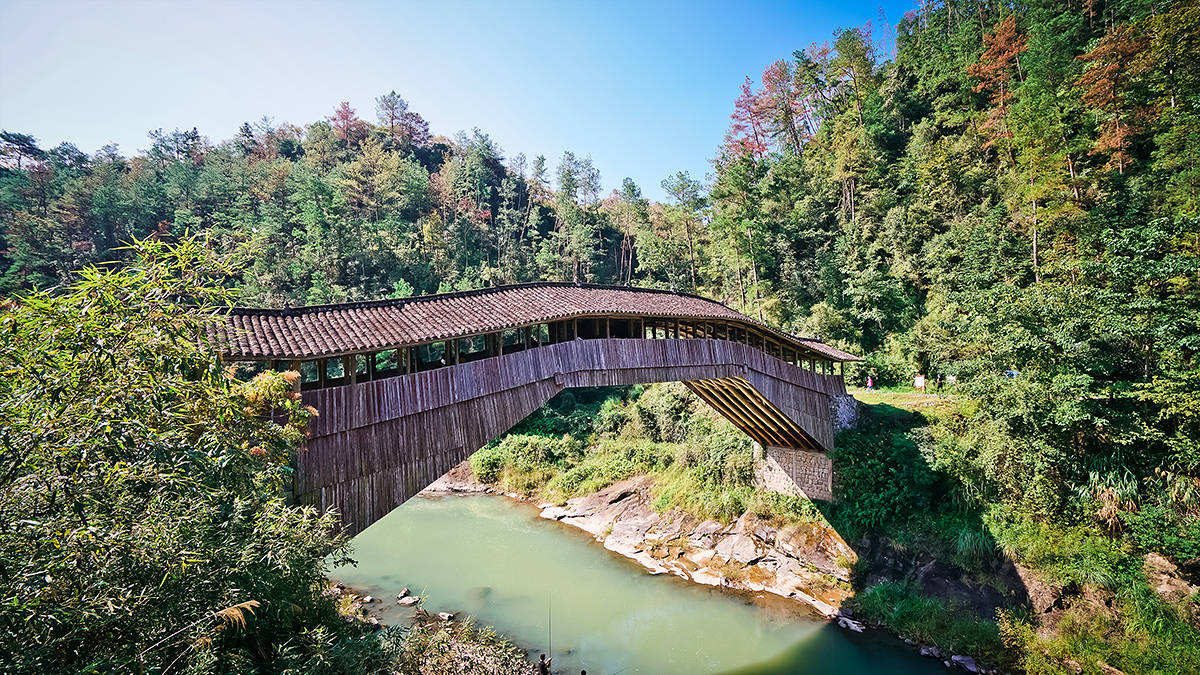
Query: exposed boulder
(965,662)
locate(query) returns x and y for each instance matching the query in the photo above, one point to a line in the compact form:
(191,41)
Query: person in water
(543,665)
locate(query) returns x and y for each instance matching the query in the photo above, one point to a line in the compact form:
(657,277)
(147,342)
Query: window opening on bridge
(511,340)
(333,369)
(310,372)
(430,355)
(386,362)
(245,371)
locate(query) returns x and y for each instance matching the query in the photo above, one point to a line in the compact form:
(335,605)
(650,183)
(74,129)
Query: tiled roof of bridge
(330,330)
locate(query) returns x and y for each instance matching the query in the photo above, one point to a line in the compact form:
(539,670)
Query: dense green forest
(1010,195)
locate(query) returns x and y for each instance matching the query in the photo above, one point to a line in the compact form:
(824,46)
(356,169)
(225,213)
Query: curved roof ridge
(319,331)
(433,297)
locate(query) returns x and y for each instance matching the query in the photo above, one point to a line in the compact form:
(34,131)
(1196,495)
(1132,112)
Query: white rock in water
(403,593)
(367,599)
(850,624)
(445,616)
(965,662)
(932,652)
(408,601)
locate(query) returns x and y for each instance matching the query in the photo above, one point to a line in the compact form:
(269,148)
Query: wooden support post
(322,372)
(295,365)
(350,369)
(608,327)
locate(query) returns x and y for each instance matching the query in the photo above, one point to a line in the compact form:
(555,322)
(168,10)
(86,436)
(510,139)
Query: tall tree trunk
(737,254)
(1037,275)
(687,230)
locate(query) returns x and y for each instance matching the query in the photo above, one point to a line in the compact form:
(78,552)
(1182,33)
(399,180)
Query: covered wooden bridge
(409,388)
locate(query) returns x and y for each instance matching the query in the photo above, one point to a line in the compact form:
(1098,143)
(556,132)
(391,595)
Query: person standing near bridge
(543,665)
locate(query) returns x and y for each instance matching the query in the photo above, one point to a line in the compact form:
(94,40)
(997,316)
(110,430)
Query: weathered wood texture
(378,443)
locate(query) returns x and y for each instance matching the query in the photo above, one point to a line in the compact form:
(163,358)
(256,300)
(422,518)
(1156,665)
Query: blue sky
(646,90)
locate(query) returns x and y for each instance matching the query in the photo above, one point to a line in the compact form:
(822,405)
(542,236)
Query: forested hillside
(343,209)
(1009,194)
(1018,189)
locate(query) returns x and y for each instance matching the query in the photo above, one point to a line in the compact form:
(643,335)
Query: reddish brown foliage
(348,126)
(1104,86)
(747,133)
(994,70)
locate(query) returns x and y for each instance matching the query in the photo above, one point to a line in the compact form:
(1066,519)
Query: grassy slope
(1109,615)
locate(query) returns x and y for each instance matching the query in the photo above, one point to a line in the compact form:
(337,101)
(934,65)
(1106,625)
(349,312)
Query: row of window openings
(437,354)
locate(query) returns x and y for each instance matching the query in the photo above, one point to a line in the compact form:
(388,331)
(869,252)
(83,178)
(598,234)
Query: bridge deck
(392,437)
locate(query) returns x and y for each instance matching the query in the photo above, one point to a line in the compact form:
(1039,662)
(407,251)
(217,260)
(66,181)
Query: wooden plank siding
(377,443)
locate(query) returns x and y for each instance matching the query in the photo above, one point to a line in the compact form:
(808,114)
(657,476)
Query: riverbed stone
(738,547)
(965,662)
(408,601)
(850,624)
(765,533)
(446,616)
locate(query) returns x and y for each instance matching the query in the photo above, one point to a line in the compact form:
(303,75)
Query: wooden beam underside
(748,410)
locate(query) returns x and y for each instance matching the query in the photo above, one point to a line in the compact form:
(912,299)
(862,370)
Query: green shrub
(1157,528)
(903,608)
(663,411)
(612,417)
(610,461)
(488,462)
(141,489)
(883,478)
(1067,554)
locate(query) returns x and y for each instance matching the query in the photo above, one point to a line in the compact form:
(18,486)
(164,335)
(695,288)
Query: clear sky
(645,89)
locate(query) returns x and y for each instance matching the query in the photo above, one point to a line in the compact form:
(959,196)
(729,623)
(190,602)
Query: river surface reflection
(543,584)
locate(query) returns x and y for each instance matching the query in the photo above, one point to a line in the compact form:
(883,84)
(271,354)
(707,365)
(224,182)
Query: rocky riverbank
(808,562)
(440,642)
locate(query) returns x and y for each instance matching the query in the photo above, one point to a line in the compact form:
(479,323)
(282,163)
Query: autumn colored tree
(779,102)
(747,130)
(1105,84)
(1002,50)
(346,124)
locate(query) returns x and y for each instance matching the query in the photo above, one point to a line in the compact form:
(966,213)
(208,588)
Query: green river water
(497,561)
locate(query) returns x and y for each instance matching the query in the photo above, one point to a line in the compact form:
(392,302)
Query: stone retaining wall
(799,473)
(803,473)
